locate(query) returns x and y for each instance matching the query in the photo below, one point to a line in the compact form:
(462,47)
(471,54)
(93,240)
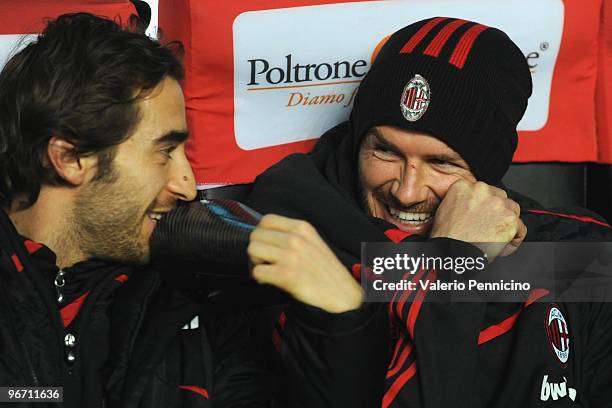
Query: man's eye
(167,152)
(443,163)
(381,150)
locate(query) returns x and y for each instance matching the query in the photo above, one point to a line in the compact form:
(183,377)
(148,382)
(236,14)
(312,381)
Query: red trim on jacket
(198,390)
(396,351)
(398,385)
(507,324)
(402,301)
(32,246)
(415,307)
(413,314)
(276,339)
(282,320)
(397,235)
(70,311)
(277,332)
(17,262)
(122,278)
(583,218)
(356,271)
(401,360)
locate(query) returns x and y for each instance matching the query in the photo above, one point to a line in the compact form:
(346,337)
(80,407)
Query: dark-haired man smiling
(92,156)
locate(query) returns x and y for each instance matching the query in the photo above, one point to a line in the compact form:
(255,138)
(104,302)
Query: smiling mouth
(410,218)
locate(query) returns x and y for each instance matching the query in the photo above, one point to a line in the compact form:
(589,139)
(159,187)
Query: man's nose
(182,180)
(410,186)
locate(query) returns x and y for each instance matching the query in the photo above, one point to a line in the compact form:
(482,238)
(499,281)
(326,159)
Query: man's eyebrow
(172,137)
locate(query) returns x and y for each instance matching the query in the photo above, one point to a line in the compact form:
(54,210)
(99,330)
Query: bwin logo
(556,390)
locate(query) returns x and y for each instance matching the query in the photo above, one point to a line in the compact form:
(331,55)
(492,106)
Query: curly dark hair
(80,80)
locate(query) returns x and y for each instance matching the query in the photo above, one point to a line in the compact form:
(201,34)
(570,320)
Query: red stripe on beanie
(464,46)
(436,45)
(418,37)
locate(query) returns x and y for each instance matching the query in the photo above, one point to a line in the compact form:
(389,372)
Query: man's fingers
(516,242)
(514,206)
(508,250)
(269,236)
(285,224)
(496,191)
(459,186)
(521,233)
(269,274)
(261,252)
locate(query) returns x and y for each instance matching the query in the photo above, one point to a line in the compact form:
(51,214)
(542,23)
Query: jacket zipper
(59,283)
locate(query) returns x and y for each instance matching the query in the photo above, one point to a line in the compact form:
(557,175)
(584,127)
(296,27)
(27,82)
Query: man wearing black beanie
(431,134)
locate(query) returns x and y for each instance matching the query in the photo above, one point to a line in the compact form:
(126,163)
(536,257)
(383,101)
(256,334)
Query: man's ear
(68,165)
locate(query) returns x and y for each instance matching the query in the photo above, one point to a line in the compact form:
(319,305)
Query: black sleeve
(574,224)
(326,360)
(445,334)
(341,360)
(333,360)
(240,380)
(598,354)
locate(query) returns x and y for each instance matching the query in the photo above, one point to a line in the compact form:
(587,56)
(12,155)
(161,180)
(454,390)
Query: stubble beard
(108,222)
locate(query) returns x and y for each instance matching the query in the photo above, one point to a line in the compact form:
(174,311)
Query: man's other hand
(290,255)
(480,214)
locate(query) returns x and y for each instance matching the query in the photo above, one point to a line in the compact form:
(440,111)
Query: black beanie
(461,82)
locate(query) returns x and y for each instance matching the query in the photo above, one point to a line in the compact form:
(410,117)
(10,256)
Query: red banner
(604,85)
(266,77)
(570,135)
(28,17)
(250,101)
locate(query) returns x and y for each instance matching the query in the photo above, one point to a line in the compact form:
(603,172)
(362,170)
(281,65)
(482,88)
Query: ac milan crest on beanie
(461,82)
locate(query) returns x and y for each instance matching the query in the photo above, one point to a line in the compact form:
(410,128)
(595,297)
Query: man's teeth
(155,216)
(410,217)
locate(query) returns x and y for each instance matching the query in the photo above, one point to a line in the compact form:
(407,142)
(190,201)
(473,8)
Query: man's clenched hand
(290,255)
(481,214)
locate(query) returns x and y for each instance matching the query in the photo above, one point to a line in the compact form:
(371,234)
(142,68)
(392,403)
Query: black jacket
(443,354)
(136,341)
(141,340)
